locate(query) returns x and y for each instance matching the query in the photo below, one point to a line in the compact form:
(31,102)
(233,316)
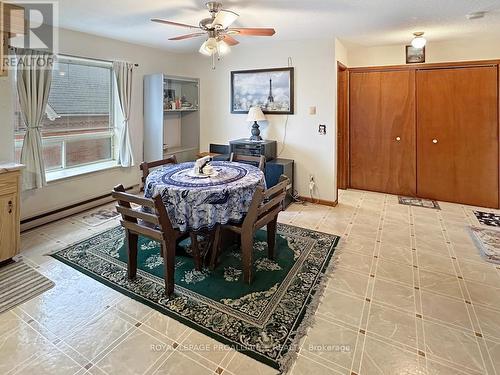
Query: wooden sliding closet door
(458,135)
(382,131)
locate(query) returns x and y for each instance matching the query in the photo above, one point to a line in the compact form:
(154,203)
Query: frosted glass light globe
(418,42)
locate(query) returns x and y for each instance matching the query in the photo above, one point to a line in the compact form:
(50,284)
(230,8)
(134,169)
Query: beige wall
(66,192)
(453,50)
(314,86)
(315,76)
(341,52)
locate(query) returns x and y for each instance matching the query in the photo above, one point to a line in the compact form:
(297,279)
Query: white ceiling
(365,22)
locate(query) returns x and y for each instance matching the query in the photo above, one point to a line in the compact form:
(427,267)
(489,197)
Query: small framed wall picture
(415,55)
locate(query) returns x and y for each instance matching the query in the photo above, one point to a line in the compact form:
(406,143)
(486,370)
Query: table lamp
(255,114)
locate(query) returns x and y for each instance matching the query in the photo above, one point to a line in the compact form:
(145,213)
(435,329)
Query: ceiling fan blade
(187,36)
(224,19)
(158,20)
(230,40)
(252,31)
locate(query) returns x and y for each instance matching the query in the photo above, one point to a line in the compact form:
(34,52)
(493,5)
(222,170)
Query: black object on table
(252,148)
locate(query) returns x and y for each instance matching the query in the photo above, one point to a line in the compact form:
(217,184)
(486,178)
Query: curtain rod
(67,55)
(26,49)
(89,58)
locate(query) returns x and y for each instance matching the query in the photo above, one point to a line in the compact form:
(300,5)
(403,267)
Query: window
(78,127)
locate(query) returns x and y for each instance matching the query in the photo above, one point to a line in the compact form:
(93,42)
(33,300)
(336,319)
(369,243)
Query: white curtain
(123,74)
(33,76)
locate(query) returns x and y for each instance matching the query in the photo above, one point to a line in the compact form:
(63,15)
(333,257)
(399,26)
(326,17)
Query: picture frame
(271,89)
(415,55)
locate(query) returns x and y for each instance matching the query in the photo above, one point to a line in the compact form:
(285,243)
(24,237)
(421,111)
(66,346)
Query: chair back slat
(259,160)
(266,204)
(124,197)
(267,218)
(269,205)
(172,159)
(276,189)
(155,224)
(136,213)
(146,166)
(141,229)
(271,201)
(273,197)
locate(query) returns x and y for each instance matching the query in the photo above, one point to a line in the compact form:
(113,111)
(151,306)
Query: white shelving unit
(171,131)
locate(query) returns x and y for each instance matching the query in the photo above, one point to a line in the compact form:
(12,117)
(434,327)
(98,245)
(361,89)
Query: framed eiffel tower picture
(270,89)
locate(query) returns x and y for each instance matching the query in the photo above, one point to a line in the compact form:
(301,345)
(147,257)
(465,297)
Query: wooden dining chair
(147,166)
(156,226)
(264,210)
(257,160)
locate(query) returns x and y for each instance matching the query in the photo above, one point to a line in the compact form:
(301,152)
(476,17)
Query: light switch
(312,110)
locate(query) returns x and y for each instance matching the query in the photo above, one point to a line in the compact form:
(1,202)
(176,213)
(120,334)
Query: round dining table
(198,203)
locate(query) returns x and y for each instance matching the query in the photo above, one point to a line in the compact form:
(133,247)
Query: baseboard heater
(76,208)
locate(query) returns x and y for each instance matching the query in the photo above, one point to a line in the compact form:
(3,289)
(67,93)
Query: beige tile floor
(409,295)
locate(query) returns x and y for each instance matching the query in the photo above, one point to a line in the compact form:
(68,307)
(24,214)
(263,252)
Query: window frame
(55,174)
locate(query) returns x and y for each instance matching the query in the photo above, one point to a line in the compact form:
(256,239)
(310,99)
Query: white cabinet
(171,117)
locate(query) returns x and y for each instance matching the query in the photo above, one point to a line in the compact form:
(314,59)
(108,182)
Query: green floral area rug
(264,320)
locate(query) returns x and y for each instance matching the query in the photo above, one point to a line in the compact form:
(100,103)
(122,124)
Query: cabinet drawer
(9,183)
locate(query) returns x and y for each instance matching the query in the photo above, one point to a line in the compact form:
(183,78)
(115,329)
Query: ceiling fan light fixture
(209,47)
(223,48)
(418,41)
(203,49)
(212,43)
(218,31)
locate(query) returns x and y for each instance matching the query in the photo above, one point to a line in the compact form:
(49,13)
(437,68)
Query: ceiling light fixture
(418,41)
(209,47)
(215,48)
(223,48)
(219,29)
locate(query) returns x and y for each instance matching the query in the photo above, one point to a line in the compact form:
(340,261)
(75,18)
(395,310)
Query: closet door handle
(434,141)
(10,207)
(398,139)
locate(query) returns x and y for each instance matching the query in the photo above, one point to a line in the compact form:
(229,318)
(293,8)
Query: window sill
(54,176)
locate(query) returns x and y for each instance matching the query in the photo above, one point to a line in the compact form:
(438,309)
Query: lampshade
(209,47)
(223,48)
(212,46)
(256,114)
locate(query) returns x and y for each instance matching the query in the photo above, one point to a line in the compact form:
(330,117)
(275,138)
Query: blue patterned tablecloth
(195,203)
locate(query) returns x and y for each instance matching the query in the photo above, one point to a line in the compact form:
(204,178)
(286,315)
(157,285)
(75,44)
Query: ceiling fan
(217,28)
